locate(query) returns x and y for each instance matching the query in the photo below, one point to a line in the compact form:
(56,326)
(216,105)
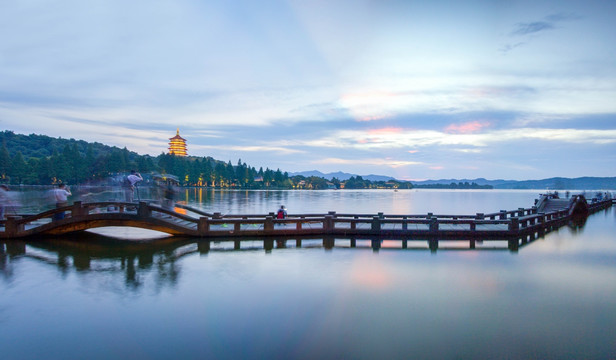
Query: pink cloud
(467,128)
(384,131)
(373,118)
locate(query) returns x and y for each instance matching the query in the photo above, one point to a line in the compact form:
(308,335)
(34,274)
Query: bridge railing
(506,222)
(14,225)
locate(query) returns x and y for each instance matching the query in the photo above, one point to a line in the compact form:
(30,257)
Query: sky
(410,89)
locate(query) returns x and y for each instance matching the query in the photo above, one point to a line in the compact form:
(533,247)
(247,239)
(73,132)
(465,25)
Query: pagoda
(177,145)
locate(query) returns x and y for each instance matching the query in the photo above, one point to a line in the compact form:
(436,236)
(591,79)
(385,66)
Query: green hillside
(39,159)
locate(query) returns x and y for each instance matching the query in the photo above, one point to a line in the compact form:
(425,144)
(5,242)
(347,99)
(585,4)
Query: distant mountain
(560,183)
(478,181)
(342,176)
(555,183)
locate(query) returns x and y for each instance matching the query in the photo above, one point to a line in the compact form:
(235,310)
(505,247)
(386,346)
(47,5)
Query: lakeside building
(177,145)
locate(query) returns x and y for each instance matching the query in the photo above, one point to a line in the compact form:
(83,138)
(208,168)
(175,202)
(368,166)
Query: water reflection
(311,297)
(134,261)
(139,262)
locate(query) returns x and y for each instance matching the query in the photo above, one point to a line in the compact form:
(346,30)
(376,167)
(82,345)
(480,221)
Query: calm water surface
(98,298)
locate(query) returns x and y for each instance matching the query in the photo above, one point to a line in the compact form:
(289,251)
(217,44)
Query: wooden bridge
(549,213)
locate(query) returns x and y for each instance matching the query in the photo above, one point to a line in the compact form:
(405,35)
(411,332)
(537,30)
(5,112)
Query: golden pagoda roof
(177,136)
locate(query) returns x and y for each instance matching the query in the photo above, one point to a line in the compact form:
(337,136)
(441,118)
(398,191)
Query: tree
(5,161)
(18,168)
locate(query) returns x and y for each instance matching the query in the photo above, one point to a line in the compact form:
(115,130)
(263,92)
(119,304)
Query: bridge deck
(495,226)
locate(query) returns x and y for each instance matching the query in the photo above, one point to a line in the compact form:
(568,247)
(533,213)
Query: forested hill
(40,159)
(40,146)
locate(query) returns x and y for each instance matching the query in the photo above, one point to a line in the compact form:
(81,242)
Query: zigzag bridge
(548,214)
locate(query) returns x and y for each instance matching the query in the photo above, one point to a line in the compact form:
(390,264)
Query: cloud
(467,128)
(522,29)
(405,138)
(393,163)
(508,47)
(255,148)
(527,30)
(558,17)
(467,151)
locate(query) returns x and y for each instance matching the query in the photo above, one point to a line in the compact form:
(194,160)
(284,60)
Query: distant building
(177,145)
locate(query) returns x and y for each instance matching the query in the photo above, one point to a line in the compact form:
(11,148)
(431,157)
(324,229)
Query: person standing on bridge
(129,185)
(61,195)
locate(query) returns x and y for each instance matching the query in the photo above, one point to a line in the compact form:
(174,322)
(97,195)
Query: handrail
(192,209)
(518,222)
(172,213)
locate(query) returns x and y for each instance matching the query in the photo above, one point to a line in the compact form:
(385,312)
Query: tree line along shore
(41,160)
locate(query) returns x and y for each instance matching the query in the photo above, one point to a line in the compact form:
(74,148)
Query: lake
(100,298)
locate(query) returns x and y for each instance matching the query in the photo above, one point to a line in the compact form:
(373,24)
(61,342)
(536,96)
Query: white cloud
(405,138)
(249,149)
(392,163)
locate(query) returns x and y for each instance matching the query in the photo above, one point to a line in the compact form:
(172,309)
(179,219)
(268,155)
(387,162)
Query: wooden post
(405,224)
(298,243)
(541,224)
(144,210)
(473,226)
(381,216)
(514,224)
(376,224)
(203,247)
(328,224)
(15,248)
(472,244)
(376,244)
(236,245)
(328,242)
(433,245)
(11,227)
(433,225)
(268,244)
(76,210)
(353,242)
(513,245)
(332,213)
(503,214)
(533,210)
(480,216)
(520,212)
(203,227)
(217,215)
(269,224)
(237,227)
(404,243)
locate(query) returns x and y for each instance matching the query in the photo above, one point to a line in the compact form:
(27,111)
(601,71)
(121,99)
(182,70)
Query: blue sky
(411,89)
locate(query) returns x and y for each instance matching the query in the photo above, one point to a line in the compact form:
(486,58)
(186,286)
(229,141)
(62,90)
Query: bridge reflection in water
(104,254)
